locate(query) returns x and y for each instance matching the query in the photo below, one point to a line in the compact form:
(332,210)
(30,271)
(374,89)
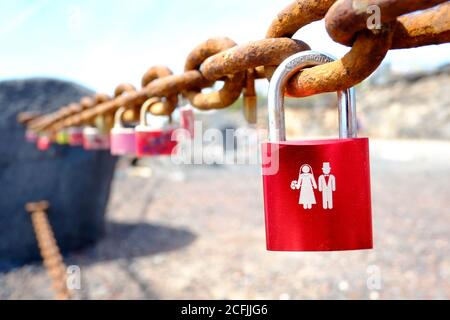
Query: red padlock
(75,136)
(187,120)
(95,139)
(316,193)
(152,141)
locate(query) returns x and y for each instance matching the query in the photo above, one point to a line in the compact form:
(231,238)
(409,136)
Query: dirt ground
(197,232)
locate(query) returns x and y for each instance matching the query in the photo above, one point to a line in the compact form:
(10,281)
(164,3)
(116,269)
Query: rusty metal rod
(48,247)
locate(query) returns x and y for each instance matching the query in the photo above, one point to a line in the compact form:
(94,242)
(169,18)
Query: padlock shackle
(290,66)
(100,123)
(118,117)
(145,108)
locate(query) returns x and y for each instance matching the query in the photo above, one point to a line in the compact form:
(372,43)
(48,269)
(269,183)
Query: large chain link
(369,47)
(346,18)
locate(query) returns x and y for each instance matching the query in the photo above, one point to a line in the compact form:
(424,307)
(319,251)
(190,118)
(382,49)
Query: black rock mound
(74,181)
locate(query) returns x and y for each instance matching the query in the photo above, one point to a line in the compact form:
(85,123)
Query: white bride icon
(307,183)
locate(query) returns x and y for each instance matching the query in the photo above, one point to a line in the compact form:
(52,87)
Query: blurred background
(180,232)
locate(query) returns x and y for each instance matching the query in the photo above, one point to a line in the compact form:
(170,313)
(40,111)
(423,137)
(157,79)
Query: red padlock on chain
(316,193)
(75,136)
(152,141)
(187,121)
(95,139)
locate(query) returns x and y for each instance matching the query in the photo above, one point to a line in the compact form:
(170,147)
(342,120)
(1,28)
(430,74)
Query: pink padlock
(31,136)
(43,142)
(187,119)
(153,141)
(123,140)
(95,139)
(75,136)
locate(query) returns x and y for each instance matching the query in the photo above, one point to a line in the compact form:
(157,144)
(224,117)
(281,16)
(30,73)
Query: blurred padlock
(75,136)
(123,140)
(316,193)
(187,120)
(62,137)
(43,142)
(95,139)
(152,141)
(31,136)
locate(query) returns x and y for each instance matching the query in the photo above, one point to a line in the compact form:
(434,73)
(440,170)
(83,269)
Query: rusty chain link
(86,103)
(60,115)
(71,113)
(220,59)
(250,98)
(427,28)
(48,248)
(266,52)
(368,50)
(367,53)
(346,17)
(91,107)
(233,82)
(162,107)
(27,116)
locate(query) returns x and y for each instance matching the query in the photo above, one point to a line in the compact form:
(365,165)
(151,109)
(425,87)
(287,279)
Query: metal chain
(221,59)
(48,248)
(346,18)
(162,107)
(369,47)
(233,82)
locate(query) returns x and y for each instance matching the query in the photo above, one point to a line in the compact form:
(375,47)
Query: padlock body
(75,136)
(123,141)
(330,209)
(62,137)
(94,139)
(154,142)
(187,119)
(43,143)
(31,136)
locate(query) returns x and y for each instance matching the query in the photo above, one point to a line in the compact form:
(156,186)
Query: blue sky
(103,43)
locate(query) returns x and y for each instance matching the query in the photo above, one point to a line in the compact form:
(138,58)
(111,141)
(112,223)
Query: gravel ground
(198,232)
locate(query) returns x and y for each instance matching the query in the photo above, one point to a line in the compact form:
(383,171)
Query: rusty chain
(250,98)
(164,108)
(345,18)
(368,50)
(427,28)
(233,83)
(72,109)
(48,248)
(220,59)
(26,117)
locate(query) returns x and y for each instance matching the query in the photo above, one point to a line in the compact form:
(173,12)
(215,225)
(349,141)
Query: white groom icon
(327,184)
